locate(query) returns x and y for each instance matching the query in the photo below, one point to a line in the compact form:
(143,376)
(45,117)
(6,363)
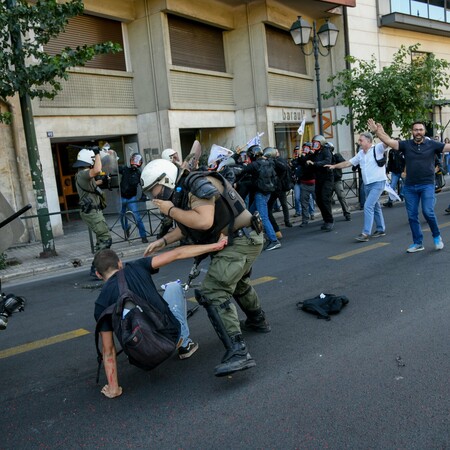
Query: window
(282,52)
(429,9)
(194,44)
(91,30)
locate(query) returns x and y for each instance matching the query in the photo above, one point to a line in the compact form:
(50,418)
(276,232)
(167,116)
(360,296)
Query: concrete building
(219,71)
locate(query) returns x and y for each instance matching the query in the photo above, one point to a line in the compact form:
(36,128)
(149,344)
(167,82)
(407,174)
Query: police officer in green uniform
(89,166)
(204,205)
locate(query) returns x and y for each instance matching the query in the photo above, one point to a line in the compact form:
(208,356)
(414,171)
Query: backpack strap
(123,286)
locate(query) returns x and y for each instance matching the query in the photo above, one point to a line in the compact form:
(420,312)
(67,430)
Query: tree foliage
(27,68)
(396,95)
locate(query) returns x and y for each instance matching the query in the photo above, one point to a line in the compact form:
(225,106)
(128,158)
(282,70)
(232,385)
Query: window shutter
(91,30)
(282,52)
(194,44)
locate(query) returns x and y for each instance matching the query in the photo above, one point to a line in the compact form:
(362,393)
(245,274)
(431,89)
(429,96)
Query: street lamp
(327,34)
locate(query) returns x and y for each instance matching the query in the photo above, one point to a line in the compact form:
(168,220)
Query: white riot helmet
(168,154)
(85,158)
(159,171)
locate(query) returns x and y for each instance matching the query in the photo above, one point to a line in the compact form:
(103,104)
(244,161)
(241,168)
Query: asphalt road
(376,376)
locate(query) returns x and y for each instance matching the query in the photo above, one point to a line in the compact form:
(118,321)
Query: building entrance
(64,156)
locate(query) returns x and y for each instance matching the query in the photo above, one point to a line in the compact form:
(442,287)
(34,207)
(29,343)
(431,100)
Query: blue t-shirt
(138,275)
(420,159)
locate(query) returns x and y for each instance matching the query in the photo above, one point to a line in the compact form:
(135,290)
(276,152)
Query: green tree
(396,95)
(27,70)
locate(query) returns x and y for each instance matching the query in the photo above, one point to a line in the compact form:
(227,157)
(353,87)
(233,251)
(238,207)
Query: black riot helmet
(254,152)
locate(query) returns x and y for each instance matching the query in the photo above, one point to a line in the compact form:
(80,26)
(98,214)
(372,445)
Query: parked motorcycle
(10,303)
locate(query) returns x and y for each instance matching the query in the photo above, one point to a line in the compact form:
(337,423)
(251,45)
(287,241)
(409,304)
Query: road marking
(81,331)
(42,343)
(364,249)
(441,225)
(254,282)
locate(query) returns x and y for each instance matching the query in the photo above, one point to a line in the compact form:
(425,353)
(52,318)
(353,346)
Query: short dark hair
(105,260)
(420,122)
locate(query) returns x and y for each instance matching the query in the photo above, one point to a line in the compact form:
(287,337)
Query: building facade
(219,71)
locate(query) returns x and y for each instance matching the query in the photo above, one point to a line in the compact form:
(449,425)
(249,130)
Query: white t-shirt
(370,170)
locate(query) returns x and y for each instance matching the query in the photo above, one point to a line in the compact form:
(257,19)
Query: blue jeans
(447,161)
(175,298)
(260,205)
(413,195)
(132,205)
(298,199)
(372,208)
(395,178)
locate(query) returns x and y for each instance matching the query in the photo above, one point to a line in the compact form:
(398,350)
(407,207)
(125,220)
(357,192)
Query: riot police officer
(204,206)
(92,201)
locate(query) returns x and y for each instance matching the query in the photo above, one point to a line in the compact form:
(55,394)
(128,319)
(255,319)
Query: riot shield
(110,169)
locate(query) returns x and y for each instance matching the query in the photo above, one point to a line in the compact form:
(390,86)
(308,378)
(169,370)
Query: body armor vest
(228,205)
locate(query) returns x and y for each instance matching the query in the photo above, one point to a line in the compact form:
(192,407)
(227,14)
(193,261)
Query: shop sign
(293,116)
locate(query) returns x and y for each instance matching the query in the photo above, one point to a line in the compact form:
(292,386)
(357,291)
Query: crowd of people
(225,211)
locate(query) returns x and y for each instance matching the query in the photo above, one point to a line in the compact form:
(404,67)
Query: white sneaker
(415,248)
(438,244)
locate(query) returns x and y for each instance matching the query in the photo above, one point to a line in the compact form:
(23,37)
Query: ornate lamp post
(327,35)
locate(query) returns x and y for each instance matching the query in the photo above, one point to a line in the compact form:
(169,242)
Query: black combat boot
(256,321)
(236,358)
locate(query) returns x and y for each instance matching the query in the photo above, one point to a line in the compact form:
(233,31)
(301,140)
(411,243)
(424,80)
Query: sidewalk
(74,251)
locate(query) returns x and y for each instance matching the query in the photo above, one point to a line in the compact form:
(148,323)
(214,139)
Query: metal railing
(152,218)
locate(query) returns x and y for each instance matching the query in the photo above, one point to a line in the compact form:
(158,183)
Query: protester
(264,180)
(129,184)
(374,178)
(305,183)
(284,185)
(395,166)
(138,275)
(420,154)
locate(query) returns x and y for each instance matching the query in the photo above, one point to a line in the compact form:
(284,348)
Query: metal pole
(45,226)
(317,68)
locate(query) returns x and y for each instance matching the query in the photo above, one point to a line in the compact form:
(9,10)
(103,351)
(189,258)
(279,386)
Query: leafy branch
(396,95)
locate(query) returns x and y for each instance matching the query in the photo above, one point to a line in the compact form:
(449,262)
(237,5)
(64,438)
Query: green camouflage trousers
(97,224)
(228,275)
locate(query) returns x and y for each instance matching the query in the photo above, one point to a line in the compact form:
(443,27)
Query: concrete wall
(155,99)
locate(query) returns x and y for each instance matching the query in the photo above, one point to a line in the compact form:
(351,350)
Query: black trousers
(284,206)
(324,192)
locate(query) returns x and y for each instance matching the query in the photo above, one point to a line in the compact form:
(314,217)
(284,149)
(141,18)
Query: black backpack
(266,181)
(147,336)
(323,305)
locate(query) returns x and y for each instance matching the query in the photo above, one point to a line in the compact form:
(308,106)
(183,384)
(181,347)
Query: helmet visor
(136,160)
